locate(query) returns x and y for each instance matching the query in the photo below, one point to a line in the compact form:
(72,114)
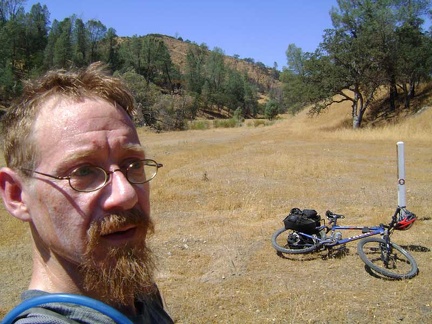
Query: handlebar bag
(306,220)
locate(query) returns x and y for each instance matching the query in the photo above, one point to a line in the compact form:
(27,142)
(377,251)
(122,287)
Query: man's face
(70,226)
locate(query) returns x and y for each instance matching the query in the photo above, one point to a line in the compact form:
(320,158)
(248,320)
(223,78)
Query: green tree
(145,96)
(414,60)
(9,9)
(296,88)
(96,33)
(58,53)
(157,66)
(250,98)
(32,40)
(80,43)
(130,54)
(111,53)
(357,56)
(271,110)
(14,49)
(195,69)
(234,91)
(215,76)
(49,49)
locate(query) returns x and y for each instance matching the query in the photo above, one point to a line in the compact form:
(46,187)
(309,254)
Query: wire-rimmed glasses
(90,178)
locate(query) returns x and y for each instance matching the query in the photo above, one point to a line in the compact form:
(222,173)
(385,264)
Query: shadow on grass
(329,253)
(415,248)
(299,257)
(382,277)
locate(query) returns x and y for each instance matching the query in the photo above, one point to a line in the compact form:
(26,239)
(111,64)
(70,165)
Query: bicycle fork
(386,253)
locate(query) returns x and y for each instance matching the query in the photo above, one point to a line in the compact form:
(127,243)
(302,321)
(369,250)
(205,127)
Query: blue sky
(258,29)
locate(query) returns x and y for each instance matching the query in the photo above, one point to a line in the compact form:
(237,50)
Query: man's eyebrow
(136,148)
(86,154)
(77,156)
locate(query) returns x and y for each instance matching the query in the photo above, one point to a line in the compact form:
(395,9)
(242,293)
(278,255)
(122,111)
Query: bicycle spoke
(292,242)
(394,263)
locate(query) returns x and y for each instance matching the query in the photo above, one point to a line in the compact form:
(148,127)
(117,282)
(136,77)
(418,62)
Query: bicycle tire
(277,243)
(402,264)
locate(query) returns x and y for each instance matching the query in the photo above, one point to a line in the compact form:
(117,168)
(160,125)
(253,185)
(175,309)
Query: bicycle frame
(367,231)
(333,241)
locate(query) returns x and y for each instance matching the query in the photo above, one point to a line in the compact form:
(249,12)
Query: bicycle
(379,254)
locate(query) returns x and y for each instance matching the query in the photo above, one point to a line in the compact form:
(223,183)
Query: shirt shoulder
(41,315)
(59,313)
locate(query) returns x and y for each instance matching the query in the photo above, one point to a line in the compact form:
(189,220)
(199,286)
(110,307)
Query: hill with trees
(375,49)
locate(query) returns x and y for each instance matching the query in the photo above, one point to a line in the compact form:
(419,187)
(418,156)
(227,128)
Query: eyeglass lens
(89,178)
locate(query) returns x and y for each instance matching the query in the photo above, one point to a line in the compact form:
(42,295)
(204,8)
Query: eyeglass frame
(107,174)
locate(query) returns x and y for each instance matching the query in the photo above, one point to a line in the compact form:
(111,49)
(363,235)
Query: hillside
(263,76)
(267,80)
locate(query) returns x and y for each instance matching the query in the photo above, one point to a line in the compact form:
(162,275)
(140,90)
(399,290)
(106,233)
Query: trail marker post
(401,175)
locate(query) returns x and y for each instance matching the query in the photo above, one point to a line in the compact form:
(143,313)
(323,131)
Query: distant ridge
(265,77)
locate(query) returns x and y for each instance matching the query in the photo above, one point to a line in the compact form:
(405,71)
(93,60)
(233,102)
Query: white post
(401,174)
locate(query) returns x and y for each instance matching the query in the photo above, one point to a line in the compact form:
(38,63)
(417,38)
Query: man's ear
(11,185)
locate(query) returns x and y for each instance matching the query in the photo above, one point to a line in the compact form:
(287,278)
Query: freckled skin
(61,217)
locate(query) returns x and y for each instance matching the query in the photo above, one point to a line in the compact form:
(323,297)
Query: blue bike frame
(330,241)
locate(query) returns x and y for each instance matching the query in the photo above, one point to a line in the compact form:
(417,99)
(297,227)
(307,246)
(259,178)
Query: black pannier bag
(305,220)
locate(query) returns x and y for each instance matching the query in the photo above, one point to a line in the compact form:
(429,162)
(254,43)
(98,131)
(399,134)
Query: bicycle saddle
(332,215)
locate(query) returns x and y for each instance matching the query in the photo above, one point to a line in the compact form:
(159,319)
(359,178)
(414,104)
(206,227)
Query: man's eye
(136,165)
(84,171)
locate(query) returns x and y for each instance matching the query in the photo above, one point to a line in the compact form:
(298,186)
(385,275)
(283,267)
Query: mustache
(119,221)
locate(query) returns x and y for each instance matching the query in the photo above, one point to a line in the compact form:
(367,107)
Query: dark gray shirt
(150,310)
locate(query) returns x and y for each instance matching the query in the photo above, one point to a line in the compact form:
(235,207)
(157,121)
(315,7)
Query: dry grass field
(223,192)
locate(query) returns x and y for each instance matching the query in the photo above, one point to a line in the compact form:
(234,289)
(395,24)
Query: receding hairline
(60,100)
(94,81)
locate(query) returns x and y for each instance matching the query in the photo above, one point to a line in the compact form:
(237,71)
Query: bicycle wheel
(292,242)
(396,263)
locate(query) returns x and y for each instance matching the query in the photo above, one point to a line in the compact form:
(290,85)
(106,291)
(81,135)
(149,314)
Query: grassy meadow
(222,193)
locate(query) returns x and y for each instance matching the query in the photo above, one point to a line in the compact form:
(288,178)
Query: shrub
(271,109)
(225,123)
(199,125)
(260,122)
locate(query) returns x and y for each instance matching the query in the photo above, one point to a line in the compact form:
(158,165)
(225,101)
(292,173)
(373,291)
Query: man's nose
(121,193)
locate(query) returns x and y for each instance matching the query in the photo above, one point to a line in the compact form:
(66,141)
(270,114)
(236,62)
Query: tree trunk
(169,78)
(412,89)
(407,99)
(355,117)
(393,93)
(358,110)
(356,123)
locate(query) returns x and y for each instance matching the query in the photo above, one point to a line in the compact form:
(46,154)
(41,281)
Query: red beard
(117,275)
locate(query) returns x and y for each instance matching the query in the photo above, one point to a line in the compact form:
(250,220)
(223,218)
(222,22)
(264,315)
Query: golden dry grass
(223,192)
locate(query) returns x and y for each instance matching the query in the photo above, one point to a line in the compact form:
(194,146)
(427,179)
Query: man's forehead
(57,104)
(64,113)
(75,130)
